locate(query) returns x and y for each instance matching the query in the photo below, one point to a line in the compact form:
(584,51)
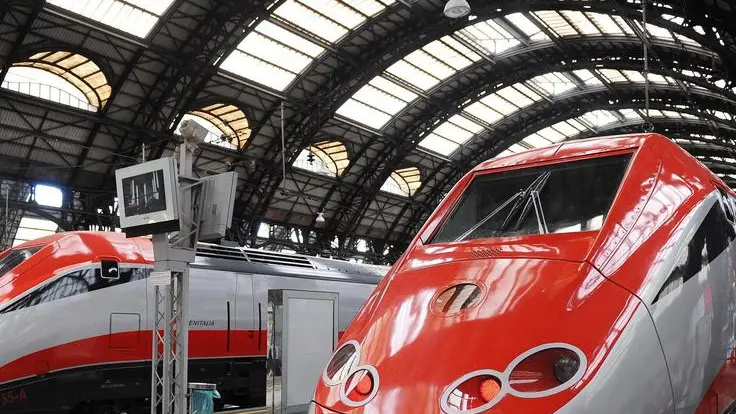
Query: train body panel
(81,341)
(645,324)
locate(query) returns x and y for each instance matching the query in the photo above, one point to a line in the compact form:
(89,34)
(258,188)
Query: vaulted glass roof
(281,48)
(594,121)
(427,67)
(507,101)
(136,17)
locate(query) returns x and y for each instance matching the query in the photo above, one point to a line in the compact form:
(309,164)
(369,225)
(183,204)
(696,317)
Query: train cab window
(76,283)
(727,205)
(12,258)
(709,241)
(564,197)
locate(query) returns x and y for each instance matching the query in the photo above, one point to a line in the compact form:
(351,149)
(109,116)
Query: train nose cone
(449,336)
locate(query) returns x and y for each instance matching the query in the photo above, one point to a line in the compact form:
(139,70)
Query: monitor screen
(144,193)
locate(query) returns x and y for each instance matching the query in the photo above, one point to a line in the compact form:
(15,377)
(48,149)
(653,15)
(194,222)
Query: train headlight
(472,393)
(341,364)
(546,370)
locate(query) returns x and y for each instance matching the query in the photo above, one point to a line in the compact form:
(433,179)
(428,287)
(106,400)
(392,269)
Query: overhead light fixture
(320,217)
(456,9)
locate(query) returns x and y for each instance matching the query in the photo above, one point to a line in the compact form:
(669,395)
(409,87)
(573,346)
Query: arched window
(227,125)
(326,157)
(404,181)
(63,77)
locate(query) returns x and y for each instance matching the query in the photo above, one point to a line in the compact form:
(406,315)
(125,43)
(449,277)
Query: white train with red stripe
(72,340)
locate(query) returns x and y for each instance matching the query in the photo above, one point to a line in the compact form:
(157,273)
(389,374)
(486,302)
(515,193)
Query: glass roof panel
(430,64)
(438,144)
(526,26)
(452,52)
(466,124)
(364,114)
(553,83)
(489,36)
(606,23)
(536,141)
(550,134)
(413,75)
(587,77)
(519,95)
(484,112)
(307,17)
(370,7)
(658,32)
(599,118)
(497,103)
(581,22)
(136,17)
(635,76)
(613,75)
(270,47)
(393,89)
(567,129)
(377,98)
(517,148)
(556,23)
(629,114)
(33,228)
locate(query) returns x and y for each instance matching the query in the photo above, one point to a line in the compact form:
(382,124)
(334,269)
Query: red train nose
(458,338)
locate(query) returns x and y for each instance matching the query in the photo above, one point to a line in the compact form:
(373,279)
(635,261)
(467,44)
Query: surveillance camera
(192,131)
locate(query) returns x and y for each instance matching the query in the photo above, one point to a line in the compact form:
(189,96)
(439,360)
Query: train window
(12,258)
(709,241)
(75,283)
(566,197)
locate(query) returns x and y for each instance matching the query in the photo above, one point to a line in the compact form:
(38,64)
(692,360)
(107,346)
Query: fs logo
(358,384)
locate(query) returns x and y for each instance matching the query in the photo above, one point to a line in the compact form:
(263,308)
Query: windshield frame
(455,199)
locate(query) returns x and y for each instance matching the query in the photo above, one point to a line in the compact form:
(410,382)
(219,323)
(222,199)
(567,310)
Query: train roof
(215,255)
(570,149)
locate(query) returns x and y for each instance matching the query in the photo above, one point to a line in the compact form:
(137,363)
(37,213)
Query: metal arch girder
(32,10)
(385,164)
(545,120)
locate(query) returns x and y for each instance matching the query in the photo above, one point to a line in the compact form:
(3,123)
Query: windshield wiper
(531,196)
(489,216)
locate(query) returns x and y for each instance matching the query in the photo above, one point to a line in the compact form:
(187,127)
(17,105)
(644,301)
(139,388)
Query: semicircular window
(404,182)
(62,77)
(326,157)
(226,124)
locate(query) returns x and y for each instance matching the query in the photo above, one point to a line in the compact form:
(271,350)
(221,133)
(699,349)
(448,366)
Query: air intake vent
(265,257)
(221,252)
(485,252)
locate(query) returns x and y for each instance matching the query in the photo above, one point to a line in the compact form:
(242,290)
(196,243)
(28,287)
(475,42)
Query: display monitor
(148,197)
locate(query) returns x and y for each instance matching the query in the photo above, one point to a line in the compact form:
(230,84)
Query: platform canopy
(382,104)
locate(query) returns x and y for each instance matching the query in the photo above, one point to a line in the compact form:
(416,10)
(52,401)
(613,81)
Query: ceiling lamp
(320,217)
(456,9)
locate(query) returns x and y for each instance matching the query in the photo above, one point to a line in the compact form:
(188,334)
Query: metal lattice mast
(171,315)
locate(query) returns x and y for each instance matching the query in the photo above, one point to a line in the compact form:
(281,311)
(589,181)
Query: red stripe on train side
(131,346)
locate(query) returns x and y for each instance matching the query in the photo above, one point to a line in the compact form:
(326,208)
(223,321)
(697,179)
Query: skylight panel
(466,124)
(136,17)
(452,53)
(413,75)
(671,114)
(587,77)
(271,56)
(497,103)
(516,148)
(605,23)
(686,40)
(551,135)
(556,23)
(364,114)
(536,141)
(629,114)
(376,103)
(490,36)
(599,118)
(567,129)
(634,76)
(526,26)
(520,95)
(553,83)
(307,18)
(624,25)
(655,78)
(438,144)
(658,32)
(484,112)
(370,7)
(613,75)
(428,63)
(581,22)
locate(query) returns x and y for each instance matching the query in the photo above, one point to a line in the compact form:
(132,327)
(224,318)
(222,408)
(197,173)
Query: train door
(690,310)
(212,315)
(127,319)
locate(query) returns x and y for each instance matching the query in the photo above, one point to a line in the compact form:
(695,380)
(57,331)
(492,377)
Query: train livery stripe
(128,347)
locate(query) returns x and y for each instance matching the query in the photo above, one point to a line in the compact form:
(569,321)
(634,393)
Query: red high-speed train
(73,339)
(592,276)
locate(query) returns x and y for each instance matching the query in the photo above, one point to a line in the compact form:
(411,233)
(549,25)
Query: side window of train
(728,206)
(76,283)
(709,241)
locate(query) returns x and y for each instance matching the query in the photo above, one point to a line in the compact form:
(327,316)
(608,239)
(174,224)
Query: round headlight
(565,367)
(340,364)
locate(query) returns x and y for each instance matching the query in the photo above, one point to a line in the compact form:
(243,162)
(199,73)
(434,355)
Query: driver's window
(728,205)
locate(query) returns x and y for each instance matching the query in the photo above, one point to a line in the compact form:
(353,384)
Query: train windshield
(12,258)
(559,198)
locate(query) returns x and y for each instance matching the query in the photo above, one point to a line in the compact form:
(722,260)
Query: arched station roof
(383,104)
